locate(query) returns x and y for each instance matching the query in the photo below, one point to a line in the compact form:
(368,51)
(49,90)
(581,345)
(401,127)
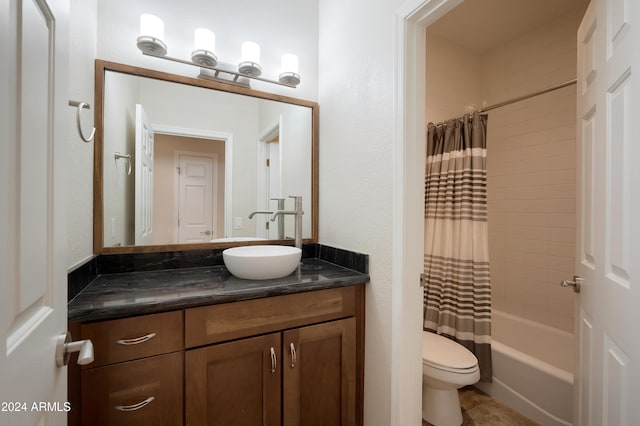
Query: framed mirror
(183,163)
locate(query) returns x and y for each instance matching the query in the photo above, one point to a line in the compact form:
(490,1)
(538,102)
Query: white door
(197,201)
(608,243)
(269,186)
(34,123)
(144,179)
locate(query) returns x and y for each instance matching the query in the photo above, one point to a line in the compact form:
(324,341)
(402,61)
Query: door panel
(33,245)
(608,101)
(197,198)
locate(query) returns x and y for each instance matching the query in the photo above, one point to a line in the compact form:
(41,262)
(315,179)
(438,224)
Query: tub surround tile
(136,293)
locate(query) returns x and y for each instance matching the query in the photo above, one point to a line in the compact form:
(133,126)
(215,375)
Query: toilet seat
(444,354)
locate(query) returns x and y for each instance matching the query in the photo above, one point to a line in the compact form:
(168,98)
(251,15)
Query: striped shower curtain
(457,297)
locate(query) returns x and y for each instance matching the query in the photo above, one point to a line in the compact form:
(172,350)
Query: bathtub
(532,369)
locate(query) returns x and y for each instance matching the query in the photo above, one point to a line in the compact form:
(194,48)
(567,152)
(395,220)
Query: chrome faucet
(298,212)
(269,212)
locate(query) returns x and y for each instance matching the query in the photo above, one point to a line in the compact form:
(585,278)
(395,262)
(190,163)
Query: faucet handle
(280,202)
(297,200)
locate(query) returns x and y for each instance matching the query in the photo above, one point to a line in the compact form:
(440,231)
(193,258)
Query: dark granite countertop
(121,295)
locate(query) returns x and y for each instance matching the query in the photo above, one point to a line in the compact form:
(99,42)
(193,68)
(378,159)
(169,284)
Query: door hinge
(423,280)
(266,226)
(268,162)
(179,171)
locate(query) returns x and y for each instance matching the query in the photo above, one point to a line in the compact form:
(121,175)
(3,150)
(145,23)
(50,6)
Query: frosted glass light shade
(289,72)
(204,45)
(151,38)
(204,39)
(250,63)
(250,52)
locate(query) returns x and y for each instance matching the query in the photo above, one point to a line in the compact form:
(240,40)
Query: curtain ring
(80,106)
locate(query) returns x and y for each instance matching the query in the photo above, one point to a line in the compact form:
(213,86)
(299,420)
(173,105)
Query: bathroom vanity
(198,346)
(178,339)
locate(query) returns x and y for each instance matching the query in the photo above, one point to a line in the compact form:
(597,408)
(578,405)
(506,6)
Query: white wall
(356,96)
(82,52)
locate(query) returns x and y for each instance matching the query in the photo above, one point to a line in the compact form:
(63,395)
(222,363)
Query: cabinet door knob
(134,407)
(293,355)
(274,360)
(137,340)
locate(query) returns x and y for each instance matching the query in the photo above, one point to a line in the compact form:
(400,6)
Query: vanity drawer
(131,338)
(218,323)
(143,392)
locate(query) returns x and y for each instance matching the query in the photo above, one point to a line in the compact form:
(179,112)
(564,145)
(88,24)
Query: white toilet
(446,366)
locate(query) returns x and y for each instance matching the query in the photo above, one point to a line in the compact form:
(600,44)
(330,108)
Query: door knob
(207,232)
(577,281)
(64,348)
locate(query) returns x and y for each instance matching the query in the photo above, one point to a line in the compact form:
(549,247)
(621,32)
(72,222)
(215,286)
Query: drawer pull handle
(293,355)
(137,340)
(274,361)
(134,407)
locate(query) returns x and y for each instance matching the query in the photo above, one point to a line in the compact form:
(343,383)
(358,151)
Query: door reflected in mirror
(203,161)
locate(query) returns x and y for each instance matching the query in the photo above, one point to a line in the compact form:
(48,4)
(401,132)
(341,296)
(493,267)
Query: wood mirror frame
(101,67)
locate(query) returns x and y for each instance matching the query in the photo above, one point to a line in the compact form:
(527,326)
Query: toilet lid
(446,354)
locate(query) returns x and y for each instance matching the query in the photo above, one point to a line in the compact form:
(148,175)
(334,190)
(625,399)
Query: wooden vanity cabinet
(285,360)
(137,374)
(296,374)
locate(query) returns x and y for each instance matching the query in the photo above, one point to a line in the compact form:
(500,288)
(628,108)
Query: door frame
(228,161)
(176,189)
(410,23)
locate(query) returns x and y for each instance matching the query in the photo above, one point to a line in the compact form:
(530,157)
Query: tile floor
(479,409)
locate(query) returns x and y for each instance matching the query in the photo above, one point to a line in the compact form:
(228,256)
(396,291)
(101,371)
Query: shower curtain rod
(530,95)
(523,97)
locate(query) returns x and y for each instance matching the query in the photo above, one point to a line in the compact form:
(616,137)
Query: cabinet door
(235,384)
(319,374)
(142,392)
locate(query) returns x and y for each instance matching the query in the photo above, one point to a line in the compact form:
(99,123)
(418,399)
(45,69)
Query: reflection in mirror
(207,166)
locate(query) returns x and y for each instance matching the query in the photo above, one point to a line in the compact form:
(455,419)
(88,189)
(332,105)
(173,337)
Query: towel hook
(117,155)
(80,106)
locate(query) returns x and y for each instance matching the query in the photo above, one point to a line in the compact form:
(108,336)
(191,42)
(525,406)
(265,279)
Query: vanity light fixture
(151,43)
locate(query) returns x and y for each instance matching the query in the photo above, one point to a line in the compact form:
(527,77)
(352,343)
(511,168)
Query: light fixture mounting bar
(236,75)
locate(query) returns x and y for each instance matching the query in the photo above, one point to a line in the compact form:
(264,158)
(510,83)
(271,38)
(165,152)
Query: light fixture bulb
(250,64)
(289,70)
(204,46)
(151,35)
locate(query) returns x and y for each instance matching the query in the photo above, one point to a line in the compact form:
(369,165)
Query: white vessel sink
(262,262)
